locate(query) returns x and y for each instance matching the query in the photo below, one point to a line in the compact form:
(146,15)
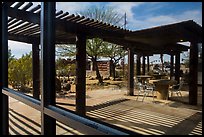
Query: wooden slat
(74,18)
(15,25)
(27,6)
(62,15)
(32,31)
(81,18)
(18,5)
(58,13)
(35,8)
(25,29)
(26,25)
(68,17)
(12,21)
(96,24)
(92,23)
(28,31)
(87,20)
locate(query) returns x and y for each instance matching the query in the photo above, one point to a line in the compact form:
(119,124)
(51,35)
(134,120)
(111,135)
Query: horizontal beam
(63,25)
(80,123)
(23,98)
(70,119)
(31,39)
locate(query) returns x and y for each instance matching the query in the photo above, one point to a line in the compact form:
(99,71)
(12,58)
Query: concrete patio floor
(158,117)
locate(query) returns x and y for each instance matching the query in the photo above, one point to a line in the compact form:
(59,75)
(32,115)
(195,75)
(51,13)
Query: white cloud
(153,21)
(19,48)
(125,7)
(72,7)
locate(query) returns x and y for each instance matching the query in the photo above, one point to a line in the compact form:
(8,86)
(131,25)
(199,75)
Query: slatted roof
(166,34)
(163,39)
(24,26)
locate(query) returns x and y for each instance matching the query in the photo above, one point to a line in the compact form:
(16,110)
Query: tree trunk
(114,72)
(162,62)
(111,68)
(98,75)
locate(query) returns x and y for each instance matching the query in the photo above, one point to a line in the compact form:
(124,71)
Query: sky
(139,15)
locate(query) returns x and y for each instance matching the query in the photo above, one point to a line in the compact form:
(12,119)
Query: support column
(172,66)
(130,72)
(193,74)
(4,126)
(81,75)
(36,70)
(47,38)
(143,65)
(138,65)
(177,67)
(147,63)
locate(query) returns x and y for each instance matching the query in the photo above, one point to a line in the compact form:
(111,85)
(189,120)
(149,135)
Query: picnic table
(143,78)
(162,86)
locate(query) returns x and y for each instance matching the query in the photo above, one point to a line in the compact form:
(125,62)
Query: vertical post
(47,26)
(81,74)
(143,65)
(36,70)
(147,63)
(4,71)
(130,72)
(193,74)
(172,66)
(138,65)
(177,67)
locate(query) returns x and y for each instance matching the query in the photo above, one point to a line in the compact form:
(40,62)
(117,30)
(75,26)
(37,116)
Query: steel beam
(4,71)
(177,67)
(147,63)
(81,74)
(193,74)
(36,70)
(138,65)
(143,65)
(47,65)
(130,72)
(172,66)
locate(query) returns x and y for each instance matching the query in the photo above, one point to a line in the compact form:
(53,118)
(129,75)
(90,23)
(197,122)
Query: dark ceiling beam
(31,40)
(63,25)
(22,38)
(126,43)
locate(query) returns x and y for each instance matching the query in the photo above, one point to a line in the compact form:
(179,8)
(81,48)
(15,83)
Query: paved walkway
(158,117)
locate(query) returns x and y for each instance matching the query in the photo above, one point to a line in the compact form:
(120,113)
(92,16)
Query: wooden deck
(161,117)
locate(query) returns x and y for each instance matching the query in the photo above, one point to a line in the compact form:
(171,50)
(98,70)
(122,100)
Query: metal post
(193,74)
(81,74)
(147,63)
(143,65)
(47,68)
(138,65)
(4,71)
(172,66)
(177,67)
(130,72)
(36,70)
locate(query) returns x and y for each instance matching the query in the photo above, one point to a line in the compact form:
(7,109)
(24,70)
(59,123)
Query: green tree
(20,71)
(95,48)
(162,61)
(115,53)
(186,58)
(10,56)
(64,68)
